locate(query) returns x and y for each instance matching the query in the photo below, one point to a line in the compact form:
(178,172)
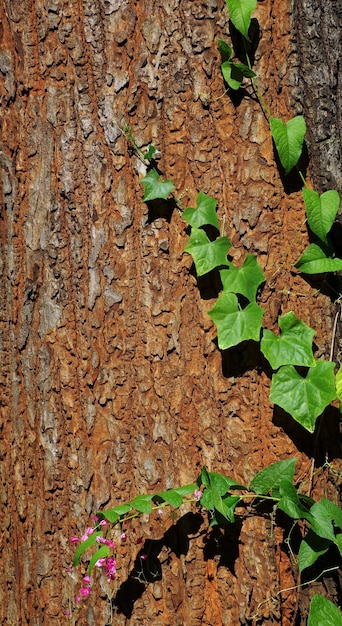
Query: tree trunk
(112,383)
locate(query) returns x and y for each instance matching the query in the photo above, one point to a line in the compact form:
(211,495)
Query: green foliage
(323,612)
(240,12)
(234,324)
(321,211)
(88,543)
(305,398)
(245,279)
(289,140)
(150,153)
(318,259)
(204,214)
(310,549)
(233,73)
(154,187)
(207,255)
(273,476)
(293,347)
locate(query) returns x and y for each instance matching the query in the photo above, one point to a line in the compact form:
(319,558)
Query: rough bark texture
(112,384)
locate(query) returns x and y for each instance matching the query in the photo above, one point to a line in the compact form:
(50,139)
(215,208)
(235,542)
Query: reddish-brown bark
(112,384)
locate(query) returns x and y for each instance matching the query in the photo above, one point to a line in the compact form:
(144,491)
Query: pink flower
(143,557)
(160,512)
(68,612)
(84,537)
(74,539)
(123,537)
(103,522)
(89,531)
(86,579)
(77,598)
(110,568)
(100,562)
(85,592)
(197,494)
(110,543)
(95,518)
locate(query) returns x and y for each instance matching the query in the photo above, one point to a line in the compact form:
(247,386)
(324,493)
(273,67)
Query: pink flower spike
(74,539)
(197,494)
(85,592)
(103,522)
(86,579)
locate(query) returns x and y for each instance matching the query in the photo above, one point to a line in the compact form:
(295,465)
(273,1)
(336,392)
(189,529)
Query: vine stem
(309,582)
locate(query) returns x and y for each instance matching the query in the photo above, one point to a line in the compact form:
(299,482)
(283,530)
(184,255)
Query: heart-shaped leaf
(321,211)
(204,214)
(288,139)
(304,398)
(323,612)
(317,259)
(234,324)
(293,347)
(245,279)
(234,73)
(154,187)
(240,12)
(207,254)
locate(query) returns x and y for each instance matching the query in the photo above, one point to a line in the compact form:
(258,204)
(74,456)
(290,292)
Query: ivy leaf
(207,254)
(150,152)
(321,211)
(234,73)
(142,503)
(225,50)
(288,139)
(240,12)
(91,541)
(155,188)
(234,324)
(334,511)
(317,259)
(323,612)
(204,214)
(304,398)
(102,552)
(310,549)
(322,521)
(293,347)
(245,279)
(272,476)
(291,504)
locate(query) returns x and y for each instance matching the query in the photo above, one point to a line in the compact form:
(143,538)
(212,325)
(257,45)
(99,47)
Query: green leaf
(338,383)
(338,541)
(294,346)
(272,476)
(112,515)
(185,490)
(234,73)
(171,497)
(155,188)
(318,259)
(334,511)
(222,484)
(304,398)
(322,522)
(225,50)
(245,279)
(207,255)
(290,502)
(321,211)
(150,152)
(91,541)
(230,503)
(240,12)
(234,324)
(142,503)
(310,549)
(102,552)
(204,214)
(323,612)
(288,139)
(204,478)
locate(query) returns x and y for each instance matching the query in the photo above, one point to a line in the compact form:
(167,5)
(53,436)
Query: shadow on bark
(324,443)
(147,566)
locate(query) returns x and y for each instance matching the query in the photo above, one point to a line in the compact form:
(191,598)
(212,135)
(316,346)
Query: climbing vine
(238,318)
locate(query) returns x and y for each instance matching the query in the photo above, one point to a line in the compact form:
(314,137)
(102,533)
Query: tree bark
(112,383)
